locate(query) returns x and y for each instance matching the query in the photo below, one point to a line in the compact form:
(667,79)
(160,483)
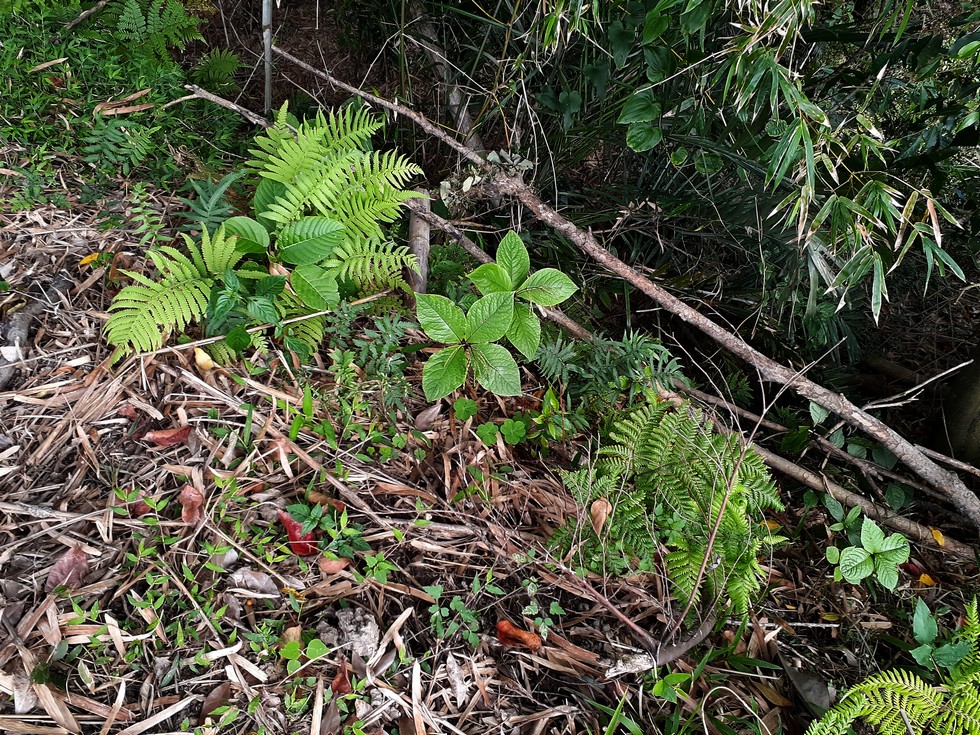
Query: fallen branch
(948,483)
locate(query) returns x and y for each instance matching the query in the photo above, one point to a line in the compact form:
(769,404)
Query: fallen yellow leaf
(772,525)
(938,535)
(203,359)
(90,258)
(927,580)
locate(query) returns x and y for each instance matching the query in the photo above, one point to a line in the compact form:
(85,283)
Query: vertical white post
(267,45)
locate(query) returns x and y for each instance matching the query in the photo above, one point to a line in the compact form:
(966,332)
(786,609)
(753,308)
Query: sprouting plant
(925,629)
(875,554)
(472,337)
(210,208)
(147,219)
(122,144)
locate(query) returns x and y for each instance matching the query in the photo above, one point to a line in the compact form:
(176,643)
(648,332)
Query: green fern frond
(216,69)
(141,313)
(372,265)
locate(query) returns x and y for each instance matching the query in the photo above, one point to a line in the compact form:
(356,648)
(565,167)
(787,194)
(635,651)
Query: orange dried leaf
(938,535)
(191,505)
(510,635)
(926,580)
(167,437)
(331,566)
(68,570)
(90,258)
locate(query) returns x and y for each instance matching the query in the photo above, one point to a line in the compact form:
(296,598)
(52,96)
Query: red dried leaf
(129,411)
(167,437)
(68,570)
(302,544)
(138,507)
(341,682)
(191,505)
(510,635)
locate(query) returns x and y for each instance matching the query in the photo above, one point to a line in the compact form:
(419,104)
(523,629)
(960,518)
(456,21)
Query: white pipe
(267,48)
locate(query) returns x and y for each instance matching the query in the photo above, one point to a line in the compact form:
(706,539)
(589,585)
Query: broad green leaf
(598,73)
(316,649)
(887,574)
(547,287)
(641,107)
(922,654)
(315,287)
(441,319)
(267,193)
(951,654)
(570,102)
(495,369)
(818,413)
(654,26)
(491,278)
(309,240)
(444,372)
(620,42)
(238,339)
(855,564)
(659,62)
(489,318)
(525,331)
(643,136)
(512,257)
(923,623)
(872,537)
(252,237)
(833,554)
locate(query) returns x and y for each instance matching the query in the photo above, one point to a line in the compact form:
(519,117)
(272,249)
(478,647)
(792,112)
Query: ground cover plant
(253,482)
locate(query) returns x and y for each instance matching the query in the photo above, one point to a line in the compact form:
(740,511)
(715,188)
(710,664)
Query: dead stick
(227,104)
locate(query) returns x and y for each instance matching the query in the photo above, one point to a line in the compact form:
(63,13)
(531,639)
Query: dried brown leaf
(426,418)
(341,682)
(253,581)
(599,513)
(510,635)
(330,567)
(68,570)
(191,505)
(217,697)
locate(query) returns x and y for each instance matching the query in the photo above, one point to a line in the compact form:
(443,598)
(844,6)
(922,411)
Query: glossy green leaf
(644,136)
(512,257)
(441,319)
(886,574)
(654,26)
(855,564)
(872,537)
(525,331)
(267,193)
(316,287)
(444,372)
(923,623)
(491,278)
(489,318)
(547,287)
(641,107)
(495,369)
(252,237)
(309,240)
(620,42)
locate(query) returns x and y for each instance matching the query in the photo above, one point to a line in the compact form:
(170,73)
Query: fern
(216,70)
(141,313)
(901,703)
(320,167)
(669,458)
(154,26)
(118,144)
(211,207)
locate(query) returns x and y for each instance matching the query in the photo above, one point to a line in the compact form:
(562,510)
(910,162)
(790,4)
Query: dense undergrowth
(286,264)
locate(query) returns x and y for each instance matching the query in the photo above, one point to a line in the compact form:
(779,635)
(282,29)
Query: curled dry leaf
(203,360)
(138,507)
(253,581)
(191,505)
(426,418)
(129,411)
(167,437)
(217,697)
(301,544)
(68,570)
(599,513)
(510,635)
(331,566)
(341,682)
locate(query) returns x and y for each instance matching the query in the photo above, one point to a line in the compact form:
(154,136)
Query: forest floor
(154,488)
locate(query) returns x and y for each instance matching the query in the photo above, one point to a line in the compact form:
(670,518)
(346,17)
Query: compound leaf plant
(471,338)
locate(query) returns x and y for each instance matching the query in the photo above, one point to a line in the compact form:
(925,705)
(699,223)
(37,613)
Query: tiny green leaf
(444,372)
(512,257)
(490,317)
(464,408)
(494,368)
(316,649)
(491,278)
(833,554)
(441,319)
(547,287)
